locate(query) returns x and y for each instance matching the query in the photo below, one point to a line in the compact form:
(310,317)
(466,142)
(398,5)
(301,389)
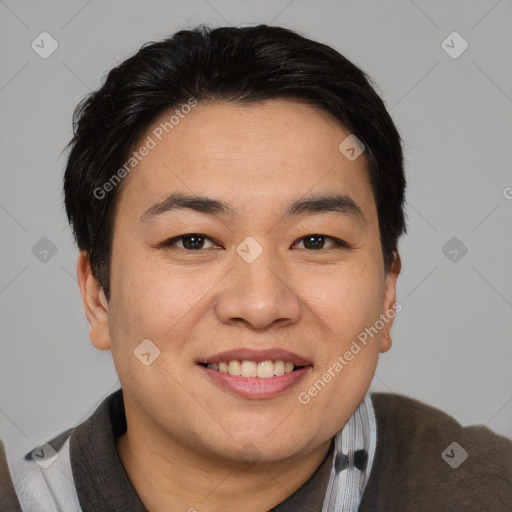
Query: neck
(164,472)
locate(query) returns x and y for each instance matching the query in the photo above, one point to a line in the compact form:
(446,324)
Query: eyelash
(337,243)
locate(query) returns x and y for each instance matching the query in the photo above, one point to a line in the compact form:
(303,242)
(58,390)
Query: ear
(390,301)
(95,303)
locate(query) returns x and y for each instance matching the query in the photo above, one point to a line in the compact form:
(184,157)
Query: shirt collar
(354,451)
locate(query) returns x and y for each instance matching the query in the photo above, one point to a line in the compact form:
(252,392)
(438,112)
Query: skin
(189,442)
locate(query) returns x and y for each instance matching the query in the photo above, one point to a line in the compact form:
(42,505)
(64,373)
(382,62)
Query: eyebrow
(340,204)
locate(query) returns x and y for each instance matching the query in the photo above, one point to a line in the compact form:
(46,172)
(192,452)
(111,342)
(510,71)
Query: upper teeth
(263,369)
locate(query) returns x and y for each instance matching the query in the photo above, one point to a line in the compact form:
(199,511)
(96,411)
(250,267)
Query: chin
(253,450)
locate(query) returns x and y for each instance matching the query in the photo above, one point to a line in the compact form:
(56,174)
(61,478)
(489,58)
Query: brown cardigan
(8,499)
(408,473)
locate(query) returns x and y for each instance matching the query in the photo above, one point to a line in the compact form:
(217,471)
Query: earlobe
(385,343)
(95,303)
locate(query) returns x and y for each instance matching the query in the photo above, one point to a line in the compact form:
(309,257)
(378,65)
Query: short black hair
(242,65)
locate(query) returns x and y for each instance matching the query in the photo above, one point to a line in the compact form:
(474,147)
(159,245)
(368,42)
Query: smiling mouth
(250,369)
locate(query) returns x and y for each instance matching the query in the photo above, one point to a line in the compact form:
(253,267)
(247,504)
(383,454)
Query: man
(237,197)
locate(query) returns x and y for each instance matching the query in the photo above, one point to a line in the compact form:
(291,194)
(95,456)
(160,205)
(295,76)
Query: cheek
(345,302)
(156,300)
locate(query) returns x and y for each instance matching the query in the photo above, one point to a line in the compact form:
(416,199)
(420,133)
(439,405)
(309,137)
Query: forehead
(264,152)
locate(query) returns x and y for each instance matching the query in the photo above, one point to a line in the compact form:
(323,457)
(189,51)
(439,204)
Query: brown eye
(317,242)
(190,242)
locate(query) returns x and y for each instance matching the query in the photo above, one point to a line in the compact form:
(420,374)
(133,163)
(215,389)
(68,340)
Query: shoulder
(47,479)
(8,499)
(425,460)
(43,479)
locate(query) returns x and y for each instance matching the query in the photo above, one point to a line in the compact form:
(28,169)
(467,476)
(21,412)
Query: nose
(258,295)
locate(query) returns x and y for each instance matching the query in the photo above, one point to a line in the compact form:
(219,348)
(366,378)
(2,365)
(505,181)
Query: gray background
(452,340)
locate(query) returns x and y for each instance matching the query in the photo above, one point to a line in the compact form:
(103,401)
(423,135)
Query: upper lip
(273,354)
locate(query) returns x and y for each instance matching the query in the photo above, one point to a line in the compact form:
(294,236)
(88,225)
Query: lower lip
(254,387)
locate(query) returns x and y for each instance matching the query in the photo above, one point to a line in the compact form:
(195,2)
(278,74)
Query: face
(242,278)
